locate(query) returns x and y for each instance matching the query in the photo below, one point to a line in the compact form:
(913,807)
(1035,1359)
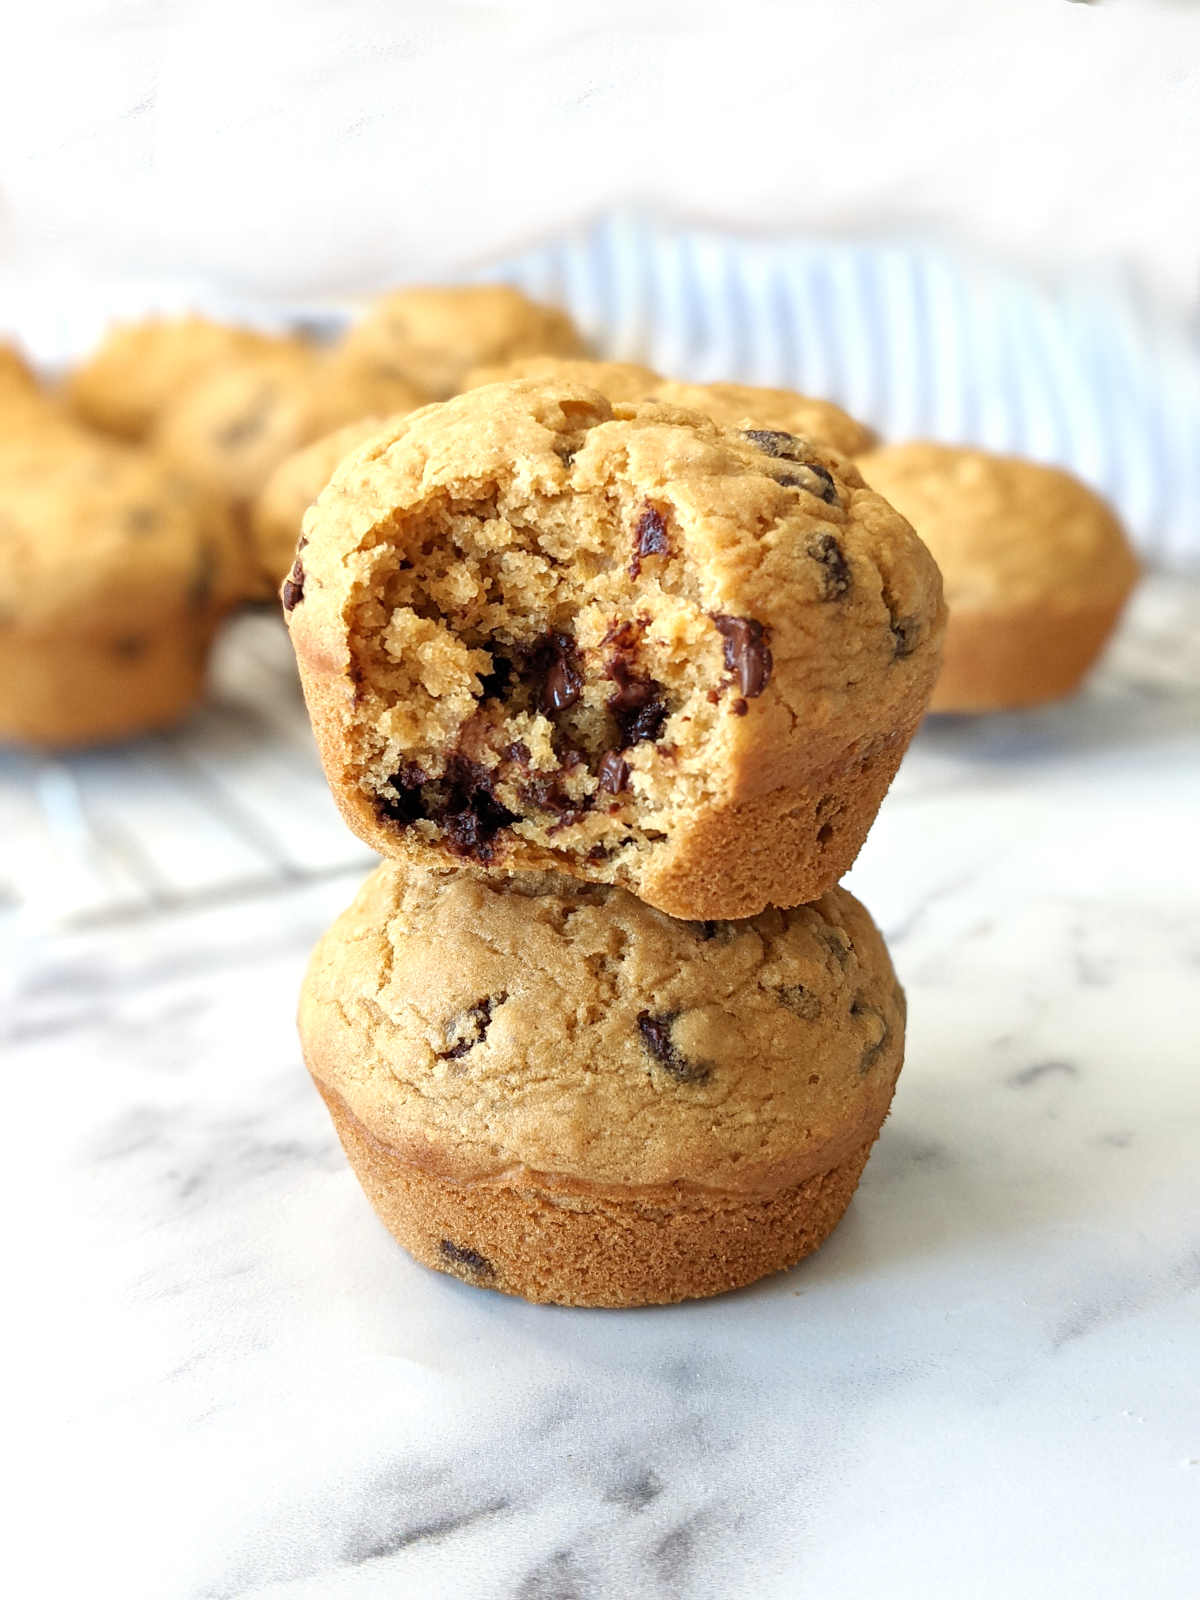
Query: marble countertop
(227,1381)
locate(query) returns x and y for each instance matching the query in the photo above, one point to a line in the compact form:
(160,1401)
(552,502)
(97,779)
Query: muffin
(229,431)
(141,368)
(433,337)
(287,494)
(548,1088)
(1037,569)
(541,632)
(113,578)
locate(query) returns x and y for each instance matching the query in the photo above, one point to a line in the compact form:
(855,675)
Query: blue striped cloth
(913,341)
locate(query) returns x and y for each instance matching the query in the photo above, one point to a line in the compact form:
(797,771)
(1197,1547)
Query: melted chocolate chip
(518,752)
(477,1018)
(656,1039)
(738,707)
(460,1256)
(461,802)
(799,1000)
(293,586)
(613,772)
(553,658)
(872,1052)
(746,652)
(824,488)
(774,442)
(637,705)
(649,538)
(545,792)
(598,852)
(828,553)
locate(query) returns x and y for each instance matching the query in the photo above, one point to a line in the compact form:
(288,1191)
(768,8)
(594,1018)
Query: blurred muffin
(293,486)
(1037,569)
(433,337)
(16,375)
(114,573)
(230,431)
(141,368)
(616,380)
(740,405)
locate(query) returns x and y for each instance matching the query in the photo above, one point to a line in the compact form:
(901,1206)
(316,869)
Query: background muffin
(1037,569)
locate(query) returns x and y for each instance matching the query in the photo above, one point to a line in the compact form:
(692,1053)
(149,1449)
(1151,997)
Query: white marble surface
(225,1380)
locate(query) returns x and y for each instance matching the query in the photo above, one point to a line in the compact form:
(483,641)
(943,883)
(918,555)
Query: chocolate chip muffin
(541,632)
(432,337)
(1036,566)
(548,1088)
(141,368)
(287,494)
(114,574)
(229,431)
(741,405)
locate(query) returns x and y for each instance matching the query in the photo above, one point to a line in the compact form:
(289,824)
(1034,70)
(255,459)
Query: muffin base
(60,691)
(566,1245)
(994,661)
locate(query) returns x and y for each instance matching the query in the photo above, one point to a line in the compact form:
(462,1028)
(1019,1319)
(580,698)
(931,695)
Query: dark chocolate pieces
(655,1031)
(477,1019)
(825,550)
(649,538)
(780,446)
(461,802)
(637,704)
(293,586)
(554,662)
(746,652)
(613,772)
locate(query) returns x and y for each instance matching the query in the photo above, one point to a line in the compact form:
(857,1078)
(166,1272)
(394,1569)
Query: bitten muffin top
(479,1027)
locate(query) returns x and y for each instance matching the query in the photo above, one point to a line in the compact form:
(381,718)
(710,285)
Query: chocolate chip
(518,752)
(142,519)
(824,488)
(906,633)
(461,802)
(649,538)
(746,652)
(598,852)
(554,658)
(129,646)
(477,1019)
(240,430)
(545,792)
(739,707)
(460,1256)
(656,1039)
(774,442)
(613,772)
(799,1000)
(293,586)
(637,705)
(872,1052)
(828,553)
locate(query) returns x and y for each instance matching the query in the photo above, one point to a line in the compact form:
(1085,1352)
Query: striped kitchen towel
(913,340)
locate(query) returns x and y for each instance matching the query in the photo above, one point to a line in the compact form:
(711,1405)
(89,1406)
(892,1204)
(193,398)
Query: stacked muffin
(616,690)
